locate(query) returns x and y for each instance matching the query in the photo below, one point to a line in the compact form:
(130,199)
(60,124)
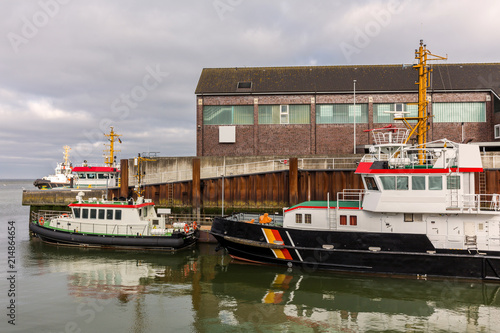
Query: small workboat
(118,223)
(113,224)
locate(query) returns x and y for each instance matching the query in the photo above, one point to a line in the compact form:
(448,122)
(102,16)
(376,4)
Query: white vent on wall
(227,134)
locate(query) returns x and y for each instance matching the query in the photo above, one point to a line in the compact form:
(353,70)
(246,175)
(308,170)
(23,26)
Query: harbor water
(46,288)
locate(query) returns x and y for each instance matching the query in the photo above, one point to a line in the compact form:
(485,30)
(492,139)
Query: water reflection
(227,296)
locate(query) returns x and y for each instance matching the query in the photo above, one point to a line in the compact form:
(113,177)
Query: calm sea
(60,289)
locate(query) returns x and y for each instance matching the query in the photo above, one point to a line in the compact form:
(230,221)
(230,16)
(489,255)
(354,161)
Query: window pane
(109,214)
(299,114)
(459,112)
(384,112)
(85,213)
(269,114)
(118,214)
(298,218)
(308,218)
(101,214)
(343,220)
(76,212)
(402,182)
(341,113)
(353,220)
(93,213)
(371,184)
(418,183)
(435,183)
(388,182)
(453,182)
(228,115)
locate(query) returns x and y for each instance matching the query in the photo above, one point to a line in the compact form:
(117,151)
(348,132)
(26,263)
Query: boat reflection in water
(204,291)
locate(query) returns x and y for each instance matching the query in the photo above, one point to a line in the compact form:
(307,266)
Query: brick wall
(326,138)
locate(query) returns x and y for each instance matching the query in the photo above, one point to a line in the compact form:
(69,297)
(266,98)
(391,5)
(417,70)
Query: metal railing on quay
(249,168)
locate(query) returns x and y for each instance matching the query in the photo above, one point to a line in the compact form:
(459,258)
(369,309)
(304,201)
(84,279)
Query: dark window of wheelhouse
(76,212)
(343,219)
(85,213)
(408,217)
(93,213)
(101,214)
(109,214)
(118,214)
(353,220)
(371,184)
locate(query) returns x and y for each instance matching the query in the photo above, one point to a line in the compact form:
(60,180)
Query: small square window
(343,220)
(497,131)
(353,220)
(244,85)
(408,217)
(308,218)
(298,218)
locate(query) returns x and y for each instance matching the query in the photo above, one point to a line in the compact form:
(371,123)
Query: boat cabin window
(353,220)
(418,183)
(118,214)
(394,183)
(298,218)
(408,217)
(81,175)
(308,218)
(101,214)
(453,182)
(371,184)
(402,182)
(91,176)
(85,213)
(109,214)
(93,213)
(343,219)
(435,183)
(76,212)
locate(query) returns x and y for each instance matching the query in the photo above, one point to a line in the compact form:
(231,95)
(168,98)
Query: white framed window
(284,114)
(497,131)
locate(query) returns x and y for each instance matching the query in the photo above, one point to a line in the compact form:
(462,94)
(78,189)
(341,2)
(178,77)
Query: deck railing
(356,196)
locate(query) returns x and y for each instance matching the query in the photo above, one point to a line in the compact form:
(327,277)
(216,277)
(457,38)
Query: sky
(70,69)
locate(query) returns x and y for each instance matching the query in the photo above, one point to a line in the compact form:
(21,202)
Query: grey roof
(339,79)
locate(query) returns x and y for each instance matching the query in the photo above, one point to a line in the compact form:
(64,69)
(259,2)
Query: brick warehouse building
(310,110)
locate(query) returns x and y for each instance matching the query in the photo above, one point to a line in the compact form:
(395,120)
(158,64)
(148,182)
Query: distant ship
(86,175)
(62,177)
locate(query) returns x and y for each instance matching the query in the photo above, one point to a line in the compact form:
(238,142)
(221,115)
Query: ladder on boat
(453,192)
(332,218)
(482,182)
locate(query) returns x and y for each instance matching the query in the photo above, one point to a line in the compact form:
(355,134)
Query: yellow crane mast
(109,157)
(421,127)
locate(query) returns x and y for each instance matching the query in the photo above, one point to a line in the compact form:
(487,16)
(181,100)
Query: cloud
(62,84)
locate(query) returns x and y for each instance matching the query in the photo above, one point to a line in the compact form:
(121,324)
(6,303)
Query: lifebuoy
(41,220)
(186,228)
(194,225)
(64,215)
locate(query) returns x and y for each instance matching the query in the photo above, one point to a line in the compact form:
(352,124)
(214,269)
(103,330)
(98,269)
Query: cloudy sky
(69,69)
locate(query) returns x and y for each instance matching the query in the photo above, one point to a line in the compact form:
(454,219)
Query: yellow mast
(66,155)
(139,174)
(109,159)
(420,129)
